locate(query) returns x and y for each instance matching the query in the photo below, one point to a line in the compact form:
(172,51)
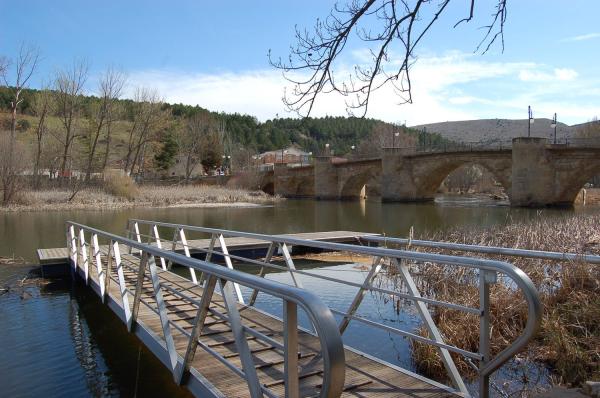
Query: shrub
(23,125)
(117,183)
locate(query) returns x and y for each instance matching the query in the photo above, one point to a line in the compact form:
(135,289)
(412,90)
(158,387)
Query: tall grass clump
(120,185)
(569,339)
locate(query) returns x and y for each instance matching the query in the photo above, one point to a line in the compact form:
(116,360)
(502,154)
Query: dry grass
(189,194)
(145,196)
(569,340)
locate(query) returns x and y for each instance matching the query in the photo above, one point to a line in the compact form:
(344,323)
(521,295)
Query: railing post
(434,332)
(290,342)
(187,253)
(241,343)
(84,257)
(373,272)
(290,263)
(190,352)
(122,285)
(96,256)
(163,264)
(138,292)
(485,278)
(263,271)
(164,318)
(173,247)
(108,268)
(238,291)
(73,245)
(209,252)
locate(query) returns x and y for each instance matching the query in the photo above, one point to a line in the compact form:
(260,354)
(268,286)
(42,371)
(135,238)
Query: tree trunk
(107,150)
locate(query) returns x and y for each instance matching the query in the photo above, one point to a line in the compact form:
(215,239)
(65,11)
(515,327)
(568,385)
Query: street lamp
(396,134)
(326,149)
(531,120)
(553,125)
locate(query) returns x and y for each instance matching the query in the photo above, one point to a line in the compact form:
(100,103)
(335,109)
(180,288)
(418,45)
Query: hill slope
(498,130)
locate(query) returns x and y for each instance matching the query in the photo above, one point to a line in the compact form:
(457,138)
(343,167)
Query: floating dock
(165,298)
(209,334)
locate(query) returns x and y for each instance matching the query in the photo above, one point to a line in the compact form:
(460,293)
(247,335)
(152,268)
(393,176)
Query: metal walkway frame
(382,257)
(86,251)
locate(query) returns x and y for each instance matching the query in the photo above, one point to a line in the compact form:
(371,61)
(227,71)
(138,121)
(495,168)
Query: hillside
(243,135)
(498,130)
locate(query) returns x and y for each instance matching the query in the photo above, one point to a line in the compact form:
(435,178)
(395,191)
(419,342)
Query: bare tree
(41,108)
(382,25)
(192,139)
(148,120)
(110,89)
(24,67)
(10,167)
(385,135)
(68,89)
(115,113)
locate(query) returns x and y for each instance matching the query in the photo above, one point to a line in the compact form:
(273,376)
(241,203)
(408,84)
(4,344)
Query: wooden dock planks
(60,255)
(365,377)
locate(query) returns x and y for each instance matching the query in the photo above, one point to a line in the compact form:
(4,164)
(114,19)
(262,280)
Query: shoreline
(149,196)
(129,205)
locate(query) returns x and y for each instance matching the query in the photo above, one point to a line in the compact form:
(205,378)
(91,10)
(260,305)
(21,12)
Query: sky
(214,54)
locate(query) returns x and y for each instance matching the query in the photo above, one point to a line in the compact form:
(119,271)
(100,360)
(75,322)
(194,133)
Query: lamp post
(327,149)
(553,125)
(531,120)
(396,134)
(283,152)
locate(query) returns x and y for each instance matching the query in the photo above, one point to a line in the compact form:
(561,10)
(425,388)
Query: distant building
(291,155)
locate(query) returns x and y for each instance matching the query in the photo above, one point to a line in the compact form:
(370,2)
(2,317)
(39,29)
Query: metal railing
(90,247)
(496,250)
(488,271)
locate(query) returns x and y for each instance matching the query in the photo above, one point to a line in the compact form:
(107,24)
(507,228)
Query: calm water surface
(57,340)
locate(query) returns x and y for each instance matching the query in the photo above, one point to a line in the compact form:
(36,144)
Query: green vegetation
(311,134)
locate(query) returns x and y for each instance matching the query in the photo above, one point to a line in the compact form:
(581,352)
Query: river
(58,340)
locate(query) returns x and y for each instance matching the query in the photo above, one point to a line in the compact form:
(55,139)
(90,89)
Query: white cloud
(587,36)
(454,86)
(538,75)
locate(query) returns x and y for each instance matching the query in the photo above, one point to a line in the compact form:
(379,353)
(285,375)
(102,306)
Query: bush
(117,183)
(23,125)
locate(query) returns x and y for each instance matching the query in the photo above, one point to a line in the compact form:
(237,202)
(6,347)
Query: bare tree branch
(391,29)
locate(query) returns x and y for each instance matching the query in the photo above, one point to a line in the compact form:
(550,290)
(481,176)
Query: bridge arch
(305,188)
(267,183)
(429,180)
(571,183)
(352,186)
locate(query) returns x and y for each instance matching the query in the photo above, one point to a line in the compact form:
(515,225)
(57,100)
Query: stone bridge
(533,173)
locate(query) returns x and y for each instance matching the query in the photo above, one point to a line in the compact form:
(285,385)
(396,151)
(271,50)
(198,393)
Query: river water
(57,340)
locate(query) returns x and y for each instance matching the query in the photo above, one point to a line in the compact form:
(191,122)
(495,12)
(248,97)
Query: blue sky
(215,54)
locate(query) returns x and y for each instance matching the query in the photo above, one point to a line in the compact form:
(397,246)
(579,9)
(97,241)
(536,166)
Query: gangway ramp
(217,345)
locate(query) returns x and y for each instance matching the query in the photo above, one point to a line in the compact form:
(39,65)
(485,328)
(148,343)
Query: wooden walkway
(365,376)
(60,255)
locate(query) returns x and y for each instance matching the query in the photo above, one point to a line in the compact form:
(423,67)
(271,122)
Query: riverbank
(189,196)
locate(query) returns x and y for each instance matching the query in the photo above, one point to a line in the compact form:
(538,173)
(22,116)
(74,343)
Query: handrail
(320,315)
(488,365)
(505,251)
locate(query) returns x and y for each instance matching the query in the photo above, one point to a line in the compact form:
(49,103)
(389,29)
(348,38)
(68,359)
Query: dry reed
(569,339)
(112,196)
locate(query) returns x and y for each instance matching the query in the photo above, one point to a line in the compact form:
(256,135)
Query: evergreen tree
(165,158)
